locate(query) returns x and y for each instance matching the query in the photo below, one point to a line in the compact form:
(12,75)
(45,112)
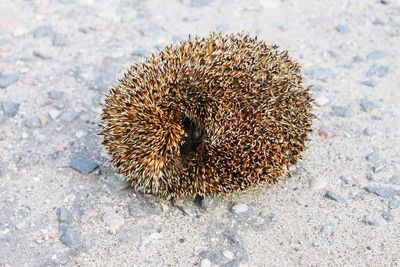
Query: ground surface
(339,208)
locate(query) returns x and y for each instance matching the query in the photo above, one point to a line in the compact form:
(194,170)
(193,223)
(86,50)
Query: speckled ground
(339,208)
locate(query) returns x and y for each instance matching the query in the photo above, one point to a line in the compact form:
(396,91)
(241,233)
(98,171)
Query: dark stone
(378,70)
(83,164)
(334,196)
(43,31)
(370,222)
(343,29)
(367,105)
(71,237)
(10,108)
(385,192)
(64,215)
(8,79)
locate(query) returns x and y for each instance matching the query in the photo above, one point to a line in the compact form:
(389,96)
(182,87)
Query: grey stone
(71,237)
(378,70)
(233,238)
(378,167)
(55,94)
(64,215)
(377,54)
(358,58)
(369,83)
(393,204)
(41,55)
(319,73)
(83,164)
(199,3)
(373,156)
(115,183)
(54,114)
(367,105)
(59,40)
(239,208)
(388,216)
(395,179)
(96,77)
(232,263)
(368,221)
(369,176)
(378,22)
(211,256)
(43,31)
(8,79)
(327,230)
(385,192)
(32,122)
(136,208)
(343,29)
(340,111)
(86,214)
(10,108)
(334,196)
(210,203)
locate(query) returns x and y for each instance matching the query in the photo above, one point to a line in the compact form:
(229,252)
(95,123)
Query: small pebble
(205,263)
(233,263)
(388,216)
(41,55)
(71,237)
(32,122)
(321,101)
(64,215)
(83,164)
(369,83)
(54,114)
(393,204)
(55,94)
(334,196)
(7,79)
(378,22)
(210,255)
(318,182)
(385,192)
(367,105)
(209,203)
(370,222)
(199,3)
(319,73)
(86,215)
(43,31)
(239,208)
(327,230)
(379,167)
(228,254)
(340,111)
(373,156)
(10,108)
(395,179)
(233,238)
(113,220)
(377,54)
(59,40)
(378,70)
(343,29)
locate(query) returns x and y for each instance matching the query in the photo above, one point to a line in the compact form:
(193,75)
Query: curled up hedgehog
(207,116)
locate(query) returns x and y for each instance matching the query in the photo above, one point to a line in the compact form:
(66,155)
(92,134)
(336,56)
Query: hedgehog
(208,115)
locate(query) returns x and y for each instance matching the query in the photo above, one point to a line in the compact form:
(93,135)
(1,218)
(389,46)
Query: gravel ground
(61,204)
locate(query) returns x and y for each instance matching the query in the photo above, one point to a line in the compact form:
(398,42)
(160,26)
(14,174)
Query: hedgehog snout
(193,137)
